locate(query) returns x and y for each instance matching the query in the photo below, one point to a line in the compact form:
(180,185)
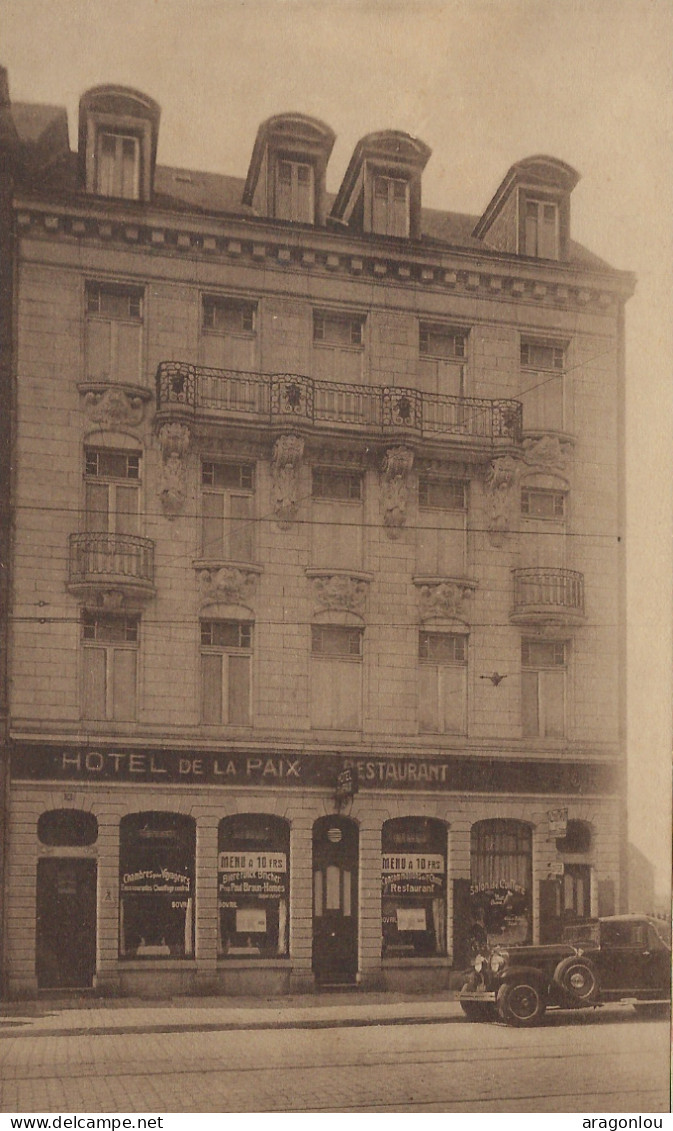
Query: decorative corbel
(443,599)
(340,592)
(288,451)
(395,470)
(175,440)
(502,482)
(227,585)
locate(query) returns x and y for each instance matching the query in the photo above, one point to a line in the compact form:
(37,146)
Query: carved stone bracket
(395,470)
(113,405)
(547,453)
(502,484)
(227,585)
(288,451)
(339,590)
(443,597)
(175,440)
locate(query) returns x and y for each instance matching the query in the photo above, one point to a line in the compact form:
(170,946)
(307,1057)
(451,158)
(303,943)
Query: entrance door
(66,923)
(335,901)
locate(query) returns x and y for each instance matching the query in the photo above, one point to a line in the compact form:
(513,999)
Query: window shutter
(322,708)
(240,528)
(98,348)
(129,338)
(211,687)
(428,698)
(553,703)
(127,510)
(453,696)
(97,507)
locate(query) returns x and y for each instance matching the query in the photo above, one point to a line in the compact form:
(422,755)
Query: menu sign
(260,874)
(412,873)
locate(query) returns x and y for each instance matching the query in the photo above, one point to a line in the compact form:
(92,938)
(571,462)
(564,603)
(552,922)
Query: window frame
(222,648)
(541,201)
(132,869)
(114,484)
(408,843)
(321,475)
(427,482)
(212,303)
(355,322)
(559,662)
(296,162)
(428,330)
(393,178)
(441,665)
(109,647)
(559,499)
(231,843)
(120,136)
(227,491)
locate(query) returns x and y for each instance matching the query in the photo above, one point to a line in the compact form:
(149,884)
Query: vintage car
(616,958)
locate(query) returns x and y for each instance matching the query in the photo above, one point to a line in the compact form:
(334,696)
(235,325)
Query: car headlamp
(479,963)
(498,960)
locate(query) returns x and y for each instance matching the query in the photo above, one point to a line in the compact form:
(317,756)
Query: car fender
(519,973)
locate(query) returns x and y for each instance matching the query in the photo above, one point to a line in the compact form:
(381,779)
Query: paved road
(608,1061)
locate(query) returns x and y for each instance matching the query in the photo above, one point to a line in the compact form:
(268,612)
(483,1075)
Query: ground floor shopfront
(155,872)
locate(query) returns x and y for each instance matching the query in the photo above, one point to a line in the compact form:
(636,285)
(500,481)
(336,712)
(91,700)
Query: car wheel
(520,1003)
(578,978)
(653,1009)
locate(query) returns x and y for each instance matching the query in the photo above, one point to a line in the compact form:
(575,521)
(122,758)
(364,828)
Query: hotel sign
(156,766)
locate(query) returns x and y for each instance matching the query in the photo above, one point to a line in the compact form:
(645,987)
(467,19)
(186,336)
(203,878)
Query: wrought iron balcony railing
(123,561)
(282,397)
(543,593)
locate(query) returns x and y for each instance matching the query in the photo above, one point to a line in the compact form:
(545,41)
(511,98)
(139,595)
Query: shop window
(112,491)
(229,335)
(228,497)
(67,828)
(442,682)
(156,885)
(576,839)
(118,165)
(500,882)
(109,666)
(114,326)
(441,535)
(540,228)
(543,688)
(338,347)
(226,675)
(337,518)
(413,887)
(294,191)
(253,873)
(542,385)
(336,677)
(390,206)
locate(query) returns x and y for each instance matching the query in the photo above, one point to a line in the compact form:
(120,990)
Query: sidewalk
(90,1016)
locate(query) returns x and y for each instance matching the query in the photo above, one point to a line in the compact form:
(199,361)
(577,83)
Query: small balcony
(276,400)
(101,562)
(543,595)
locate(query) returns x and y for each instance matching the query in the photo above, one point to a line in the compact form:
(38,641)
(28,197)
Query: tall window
(541,385)
(118,165)
(336,676)
(229,333)
(442,354)
(337,517)
(441,534)
(109,663)
(442,682)
(114,326)
(501,882)
(541,229)
(156,885)
(338,346)
(543,511)
(112,488)
(226,676)
(413,887)
(228,511)
(295,193)
(253,897)
(390,206)
(543,688)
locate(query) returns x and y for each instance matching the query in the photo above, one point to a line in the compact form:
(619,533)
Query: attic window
(118,165)
(390,206)
(294,192)
(540,228)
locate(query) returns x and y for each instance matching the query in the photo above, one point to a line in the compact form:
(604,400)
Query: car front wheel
(520,1003)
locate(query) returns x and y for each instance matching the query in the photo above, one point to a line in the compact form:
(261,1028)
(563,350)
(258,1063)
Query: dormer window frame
(296,161)
(374,173)
(542,200)
(100,125)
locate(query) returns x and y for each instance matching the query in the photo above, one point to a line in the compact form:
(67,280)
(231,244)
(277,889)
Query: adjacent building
(315,625)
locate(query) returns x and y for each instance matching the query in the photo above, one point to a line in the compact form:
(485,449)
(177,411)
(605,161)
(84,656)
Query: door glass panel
(317,893)
(347,893)
(332,885)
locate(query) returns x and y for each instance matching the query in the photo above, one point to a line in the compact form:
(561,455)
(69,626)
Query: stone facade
(283,586)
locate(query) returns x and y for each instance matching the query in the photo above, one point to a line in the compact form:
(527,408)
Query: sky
(484,83)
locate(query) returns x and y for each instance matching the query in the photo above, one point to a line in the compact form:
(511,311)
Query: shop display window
(501,883)
(413,887)
(253,886)
(156,885)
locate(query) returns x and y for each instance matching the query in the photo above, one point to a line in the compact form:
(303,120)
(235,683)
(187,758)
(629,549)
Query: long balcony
(280,399)
(543,595)
(101,562)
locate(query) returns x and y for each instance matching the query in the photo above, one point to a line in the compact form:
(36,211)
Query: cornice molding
(485,273)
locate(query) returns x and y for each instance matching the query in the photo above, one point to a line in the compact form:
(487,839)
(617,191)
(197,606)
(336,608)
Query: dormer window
(390,206)
(118,165)
(540,229)
(295,193)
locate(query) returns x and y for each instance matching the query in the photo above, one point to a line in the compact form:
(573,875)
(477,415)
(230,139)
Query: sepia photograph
(336,561)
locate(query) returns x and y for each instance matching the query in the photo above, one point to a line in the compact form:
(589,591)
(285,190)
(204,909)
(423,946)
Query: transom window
(441,341)
(226,315)
(445,494)
(440,646)
(538,355)
(336,640)
(113,302)
(115,465)
(109,629)
(118,165)
(542,653)
(541,503)
(228,475)
(226,634)
(337,329)
(335,484)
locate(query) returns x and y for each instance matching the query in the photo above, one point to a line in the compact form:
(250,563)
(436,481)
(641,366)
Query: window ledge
(323,571)
(140,391)
(226,563)
(153,963)
(427,579)
(239,963)
(399,963)
(557,433)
